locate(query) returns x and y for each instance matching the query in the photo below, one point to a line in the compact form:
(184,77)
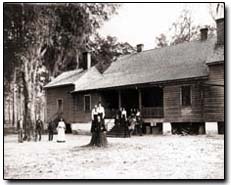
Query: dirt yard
(147,157)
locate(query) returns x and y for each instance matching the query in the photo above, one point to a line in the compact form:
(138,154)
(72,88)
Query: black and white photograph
(114,91)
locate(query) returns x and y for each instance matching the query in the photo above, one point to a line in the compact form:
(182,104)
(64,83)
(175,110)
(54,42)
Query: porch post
(119,93)
(140,99)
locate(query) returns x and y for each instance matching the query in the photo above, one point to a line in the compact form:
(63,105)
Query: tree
(106,50)
(216,10)
(161,41)
(38,32)
(182,30)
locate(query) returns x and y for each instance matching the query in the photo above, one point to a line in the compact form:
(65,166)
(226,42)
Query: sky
(140,23)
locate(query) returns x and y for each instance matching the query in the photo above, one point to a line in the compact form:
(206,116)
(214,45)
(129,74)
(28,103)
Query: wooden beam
(140,99)
(218,85)
(119,95)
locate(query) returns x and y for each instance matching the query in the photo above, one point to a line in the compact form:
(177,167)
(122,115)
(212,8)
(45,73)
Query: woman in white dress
(61,131)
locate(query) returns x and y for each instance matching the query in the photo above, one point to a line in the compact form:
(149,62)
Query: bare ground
(147,157)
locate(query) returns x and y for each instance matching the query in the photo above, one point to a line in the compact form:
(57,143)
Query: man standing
(38,129)
(139,123)
(20,130)
(51,128)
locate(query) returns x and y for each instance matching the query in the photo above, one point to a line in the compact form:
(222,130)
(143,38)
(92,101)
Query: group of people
(132,123)
(98,128)
(39,128)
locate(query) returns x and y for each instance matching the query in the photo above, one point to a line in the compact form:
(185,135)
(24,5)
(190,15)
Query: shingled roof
(182,61)
(216,56)
(74,77)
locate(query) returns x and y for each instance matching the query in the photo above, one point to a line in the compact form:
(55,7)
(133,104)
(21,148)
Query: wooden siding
(175,112)
(52,96)
(214,95)
(79,114)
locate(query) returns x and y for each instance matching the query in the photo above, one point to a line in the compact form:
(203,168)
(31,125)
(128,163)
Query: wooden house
(172,86)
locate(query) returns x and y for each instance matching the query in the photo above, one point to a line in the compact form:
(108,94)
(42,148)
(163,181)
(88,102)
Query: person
(61,131)
(94,115)
(139,123)
(117,120)
(99,138)
(20,130)
(120,113)
(101,133)
(124,121)
(38,129)
(51,127)
(132,122)
(101,111)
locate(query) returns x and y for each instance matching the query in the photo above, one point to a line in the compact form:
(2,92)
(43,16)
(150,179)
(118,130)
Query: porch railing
(152,112)
(110,113)
(146,112)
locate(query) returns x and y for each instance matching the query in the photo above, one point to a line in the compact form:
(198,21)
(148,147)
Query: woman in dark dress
(101,133)
(98,128)
(94,115)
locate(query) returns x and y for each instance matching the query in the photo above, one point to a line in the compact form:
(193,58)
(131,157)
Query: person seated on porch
(117,120)
(138,114)
(134,111)
(131,111)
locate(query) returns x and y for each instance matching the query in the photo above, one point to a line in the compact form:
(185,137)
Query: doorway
(130,99)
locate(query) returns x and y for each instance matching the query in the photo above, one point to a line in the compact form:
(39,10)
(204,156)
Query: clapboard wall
(214,95)
(173,109)
(79,114)
(52,97)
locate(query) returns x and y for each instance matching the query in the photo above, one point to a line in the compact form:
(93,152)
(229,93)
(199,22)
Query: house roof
(216,56)
(182,61)
(74,77)
(65,78)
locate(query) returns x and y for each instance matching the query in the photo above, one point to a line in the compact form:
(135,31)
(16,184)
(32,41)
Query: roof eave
(61,85)
(215,62)
(147,83)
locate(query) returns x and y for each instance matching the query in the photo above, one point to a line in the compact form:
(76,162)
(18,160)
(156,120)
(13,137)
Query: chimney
(139,47)
(204,34)
(87,60)
(220,31)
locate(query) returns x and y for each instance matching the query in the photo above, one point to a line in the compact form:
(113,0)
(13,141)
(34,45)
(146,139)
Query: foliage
(182,30)
(107,50)
(161,41)
(46,38)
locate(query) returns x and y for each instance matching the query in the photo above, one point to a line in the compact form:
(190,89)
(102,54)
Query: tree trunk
(30,88)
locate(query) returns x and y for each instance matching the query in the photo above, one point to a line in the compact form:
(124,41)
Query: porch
(148,99)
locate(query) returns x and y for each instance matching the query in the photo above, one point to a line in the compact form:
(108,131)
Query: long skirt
(61,135)
(98,139)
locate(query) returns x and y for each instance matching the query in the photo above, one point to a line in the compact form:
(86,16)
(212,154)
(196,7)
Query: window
(87,102)
(186,95)
(60,105)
